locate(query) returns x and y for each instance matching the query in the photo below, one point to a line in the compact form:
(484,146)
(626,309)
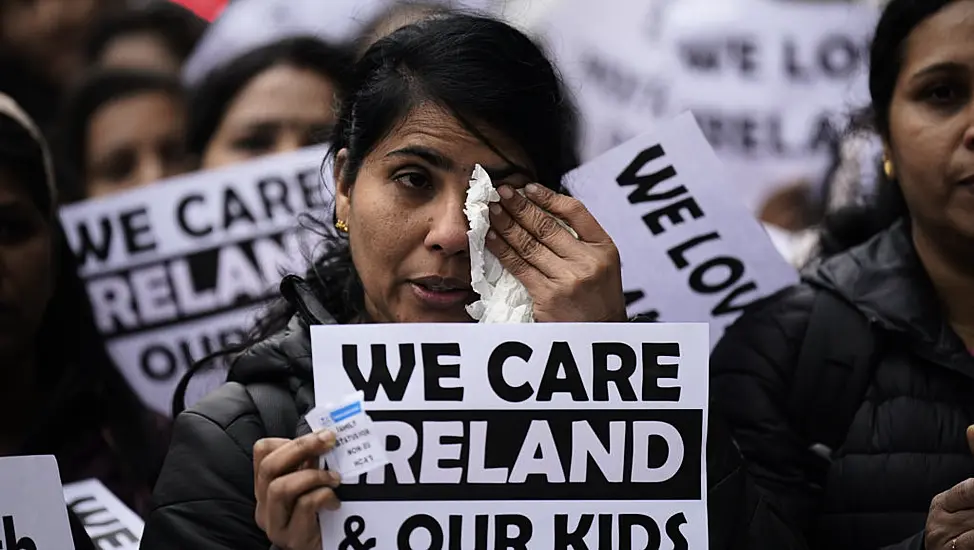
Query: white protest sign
(690,250)
(32,511)
(176,270)
(108,522)
(538,436)
(770,83)
(610,57)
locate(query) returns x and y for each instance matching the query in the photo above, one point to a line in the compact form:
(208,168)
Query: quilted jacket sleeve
(205,494)
(756,457)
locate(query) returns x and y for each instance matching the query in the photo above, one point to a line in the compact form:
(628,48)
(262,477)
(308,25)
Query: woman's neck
(953,281)
(18,400)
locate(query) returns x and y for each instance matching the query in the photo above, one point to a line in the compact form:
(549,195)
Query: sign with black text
(691,252)
(612,61)
(32,511)
(537,436)
(176,270)
(771,83)
(108,522)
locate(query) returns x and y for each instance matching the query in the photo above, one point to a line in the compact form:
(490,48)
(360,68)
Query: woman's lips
(441,299)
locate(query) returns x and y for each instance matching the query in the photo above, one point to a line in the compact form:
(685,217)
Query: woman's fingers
(569,209)
(304,529)
(522,222)
(262,449)
(526,245)
(272,459)
(521,268)
(964,542)
(959,498)
(285,493)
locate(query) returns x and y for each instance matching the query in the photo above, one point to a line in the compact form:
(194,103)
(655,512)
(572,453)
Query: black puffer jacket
(205,495)
(907,441)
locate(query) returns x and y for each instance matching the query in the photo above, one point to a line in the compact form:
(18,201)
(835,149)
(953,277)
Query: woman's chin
(457,314)
(460,316)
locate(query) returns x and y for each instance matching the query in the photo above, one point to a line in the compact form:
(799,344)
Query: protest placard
(108,522)
(32,510)
(176,270)
(540,436)
(771,83)
(612,62)
(690,250)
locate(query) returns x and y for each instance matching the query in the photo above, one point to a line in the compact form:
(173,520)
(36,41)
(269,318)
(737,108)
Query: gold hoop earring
(888,169)
(342,226)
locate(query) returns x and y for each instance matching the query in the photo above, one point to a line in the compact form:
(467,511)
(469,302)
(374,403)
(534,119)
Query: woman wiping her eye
(426,104)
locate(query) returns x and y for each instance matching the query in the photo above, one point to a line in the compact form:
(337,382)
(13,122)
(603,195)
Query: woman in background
(395,17)
(158,37)
(851,395)
(60,392)
(42,50)
(123,129)
(277,98)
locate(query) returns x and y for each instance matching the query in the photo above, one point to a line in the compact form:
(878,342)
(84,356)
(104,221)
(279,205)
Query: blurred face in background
(26,267)
(50,34)
(282,109)
(140,50)
(134,141)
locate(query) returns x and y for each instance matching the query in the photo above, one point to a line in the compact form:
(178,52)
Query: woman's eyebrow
(437,160)
(947,67)
(429,155)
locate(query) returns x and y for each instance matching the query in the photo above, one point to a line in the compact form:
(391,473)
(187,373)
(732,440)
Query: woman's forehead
(945,38)
(432,132)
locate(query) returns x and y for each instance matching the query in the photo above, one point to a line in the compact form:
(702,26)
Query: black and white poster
(537,436)
(772,84)
(32,511)
(691,251)
(175,271)
(107,520)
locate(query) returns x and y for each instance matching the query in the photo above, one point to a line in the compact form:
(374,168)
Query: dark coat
(907,441)
(205,494)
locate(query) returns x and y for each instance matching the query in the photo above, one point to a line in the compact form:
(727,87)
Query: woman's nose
(151,169)
(448,227)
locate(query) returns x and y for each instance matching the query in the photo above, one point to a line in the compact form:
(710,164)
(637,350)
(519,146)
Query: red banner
(207,9)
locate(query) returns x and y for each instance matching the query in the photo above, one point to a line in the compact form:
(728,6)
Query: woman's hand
(290,489)
(569,279)
(950,523)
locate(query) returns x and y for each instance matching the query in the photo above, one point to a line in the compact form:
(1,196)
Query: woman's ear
(343,186)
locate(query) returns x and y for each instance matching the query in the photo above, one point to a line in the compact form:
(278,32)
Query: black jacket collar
(287,354)
(886,281)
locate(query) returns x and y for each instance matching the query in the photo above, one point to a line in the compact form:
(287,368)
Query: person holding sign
(60,392)
(277,98)
(850,396)
(428,103)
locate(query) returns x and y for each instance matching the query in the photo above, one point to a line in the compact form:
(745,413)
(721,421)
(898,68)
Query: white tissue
(503,299)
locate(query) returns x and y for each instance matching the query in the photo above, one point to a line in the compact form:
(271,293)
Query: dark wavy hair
(853,225)
(479,69)
(211,98)
(93,391)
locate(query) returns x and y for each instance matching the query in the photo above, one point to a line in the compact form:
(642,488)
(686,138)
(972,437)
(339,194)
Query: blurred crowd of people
(95,100)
